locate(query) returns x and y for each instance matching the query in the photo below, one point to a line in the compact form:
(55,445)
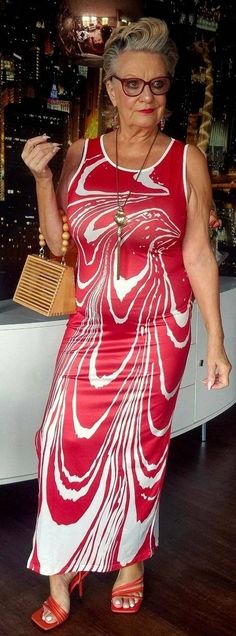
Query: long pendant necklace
(121,218)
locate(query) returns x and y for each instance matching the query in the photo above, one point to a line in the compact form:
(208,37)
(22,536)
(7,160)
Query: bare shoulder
(72,160)
(197,167)
(199,184)
(71,163)
(74,153)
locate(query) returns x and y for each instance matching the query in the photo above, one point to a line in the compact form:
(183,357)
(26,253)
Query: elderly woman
(138,206)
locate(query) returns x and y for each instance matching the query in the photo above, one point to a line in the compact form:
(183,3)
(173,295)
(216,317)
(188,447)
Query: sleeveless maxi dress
(104,440)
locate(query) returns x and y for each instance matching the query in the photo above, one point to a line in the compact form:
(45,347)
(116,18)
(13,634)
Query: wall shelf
(226,182)
(231,185)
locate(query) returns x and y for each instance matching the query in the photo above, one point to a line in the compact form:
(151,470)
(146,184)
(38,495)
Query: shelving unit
(227,182)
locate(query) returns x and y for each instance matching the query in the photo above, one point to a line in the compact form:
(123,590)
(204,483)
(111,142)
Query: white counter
(28,347)
(196,405)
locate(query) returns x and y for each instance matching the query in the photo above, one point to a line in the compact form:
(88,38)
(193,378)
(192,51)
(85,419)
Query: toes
(125,602)
(133,601)
(48,617)
(117,602)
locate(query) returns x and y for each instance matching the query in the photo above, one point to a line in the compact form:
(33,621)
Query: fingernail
(209,385)
(45,135)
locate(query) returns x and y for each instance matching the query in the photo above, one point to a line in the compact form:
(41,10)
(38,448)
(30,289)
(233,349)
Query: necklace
(121,218)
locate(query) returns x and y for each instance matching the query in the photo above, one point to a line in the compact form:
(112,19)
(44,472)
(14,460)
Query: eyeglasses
(133,86)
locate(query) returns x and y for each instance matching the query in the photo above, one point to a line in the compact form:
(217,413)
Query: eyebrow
(137,77)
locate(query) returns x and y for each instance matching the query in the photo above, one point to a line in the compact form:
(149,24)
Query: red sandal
(50,604)
(134,589)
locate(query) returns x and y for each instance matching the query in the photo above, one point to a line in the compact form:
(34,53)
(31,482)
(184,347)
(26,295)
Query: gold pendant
(121,220)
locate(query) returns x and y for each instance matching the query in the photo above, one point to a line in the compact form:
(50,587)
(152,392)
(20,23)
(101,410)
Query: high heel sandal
(50,604)
(134,589)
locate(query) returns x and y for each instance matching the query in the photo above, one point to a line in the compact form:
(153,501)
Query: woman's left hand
(219,367)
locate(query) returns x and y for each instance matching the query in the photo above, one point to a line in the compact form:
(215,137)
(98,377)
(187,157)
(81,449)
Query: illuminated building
(63,105)
(19,223)
(31,61)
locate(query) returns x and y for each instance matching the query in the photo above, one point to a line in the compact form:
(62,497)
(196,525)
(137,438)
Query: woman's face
(144,110)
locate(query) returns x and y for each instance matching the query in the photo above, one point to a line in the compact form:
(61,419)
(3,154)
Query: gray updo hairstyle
(147,34)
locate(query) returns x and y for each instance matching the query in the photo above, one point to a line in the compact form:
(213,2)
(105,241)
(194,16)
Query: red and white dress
(104,440)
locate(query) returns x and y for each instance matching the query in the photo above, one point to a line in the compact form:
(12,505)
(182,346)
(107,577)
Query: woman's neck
(131,151)
(135,135)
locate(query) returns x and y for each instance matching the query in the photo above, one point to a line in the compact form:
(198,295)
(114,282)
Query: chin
(147,120)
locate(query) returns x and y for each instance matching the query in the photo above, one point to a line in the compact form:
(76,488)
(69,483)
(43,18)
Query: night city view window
(41,92)
(51,82)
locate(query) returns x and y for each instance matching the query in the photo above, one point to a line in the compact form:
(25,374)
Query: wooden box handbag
(47,286)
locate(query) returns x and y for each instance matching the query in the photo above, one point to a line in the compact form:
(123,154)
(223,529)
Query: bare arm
(37,154)
(201,266)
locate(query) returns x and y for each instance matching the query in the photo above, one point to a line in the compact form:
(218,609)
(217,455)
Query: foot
(59,590)
(127,575)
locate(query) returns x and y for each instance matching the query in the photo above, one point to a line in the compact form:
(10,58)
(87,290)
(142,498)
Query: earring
(162,123)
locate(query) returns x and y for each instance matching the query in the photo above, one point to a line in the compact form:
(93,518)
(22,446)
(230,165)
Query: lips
(147,110)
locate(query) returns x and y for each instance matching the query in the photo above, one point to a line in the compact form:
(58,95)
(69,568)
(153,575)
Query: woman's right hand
(37,153)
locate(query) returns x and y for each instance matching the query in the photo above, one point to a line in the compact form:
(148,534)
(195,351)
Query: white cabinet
(195,404)
(209,403)
(27,353)
(28,348)
(183,418)
(190,369)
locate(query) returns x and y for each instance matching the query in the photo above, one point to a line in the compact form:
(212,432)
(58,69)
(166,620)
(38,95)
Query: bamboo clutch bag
(45,285)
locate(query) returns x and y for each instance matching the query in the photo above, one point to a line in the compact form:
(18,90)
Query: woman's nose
(146,94)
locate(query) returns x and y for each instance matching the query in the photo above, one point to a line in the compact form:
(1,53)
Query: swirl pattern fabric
(104,440)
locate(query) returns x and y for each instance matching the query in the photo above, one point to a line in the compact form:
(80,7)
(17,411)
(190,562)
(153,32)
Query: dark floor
(190,583)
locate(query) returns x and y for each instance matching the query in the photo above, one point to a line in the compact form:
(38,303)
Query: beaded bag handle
(65,240)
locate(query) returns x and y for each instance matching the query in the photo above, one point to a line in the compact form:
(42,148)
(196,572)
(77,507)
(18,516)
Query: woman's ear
(111,92)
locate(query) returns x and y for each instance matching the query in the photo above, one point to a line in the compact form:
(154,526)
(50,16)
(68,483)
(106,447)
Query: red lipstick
(146,110)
